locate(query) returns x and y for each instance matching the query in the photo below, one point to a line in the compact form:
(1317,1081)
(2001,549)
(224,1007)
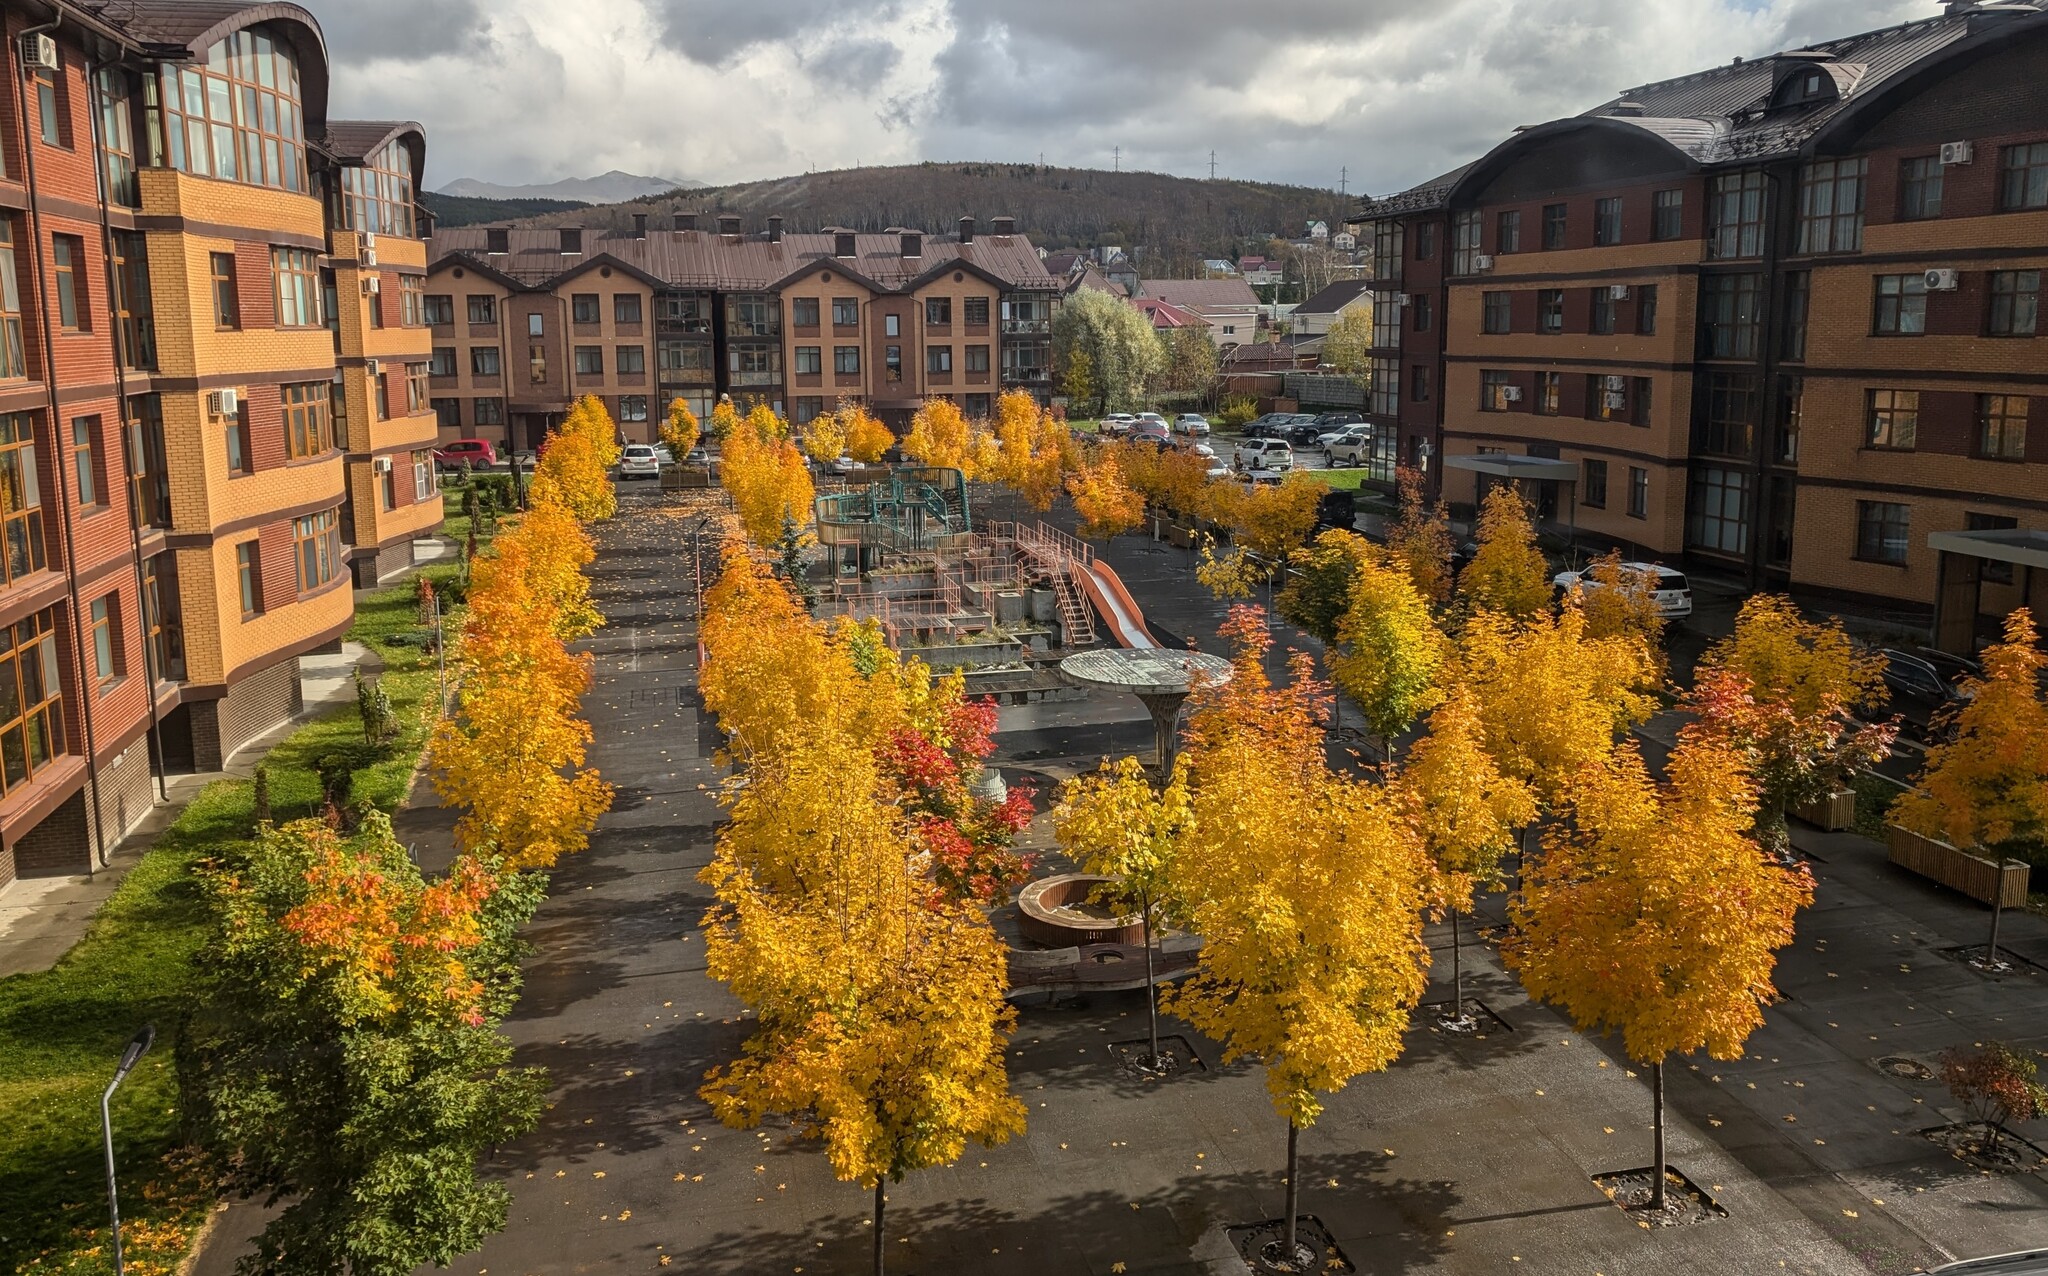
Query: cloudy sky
(733,90)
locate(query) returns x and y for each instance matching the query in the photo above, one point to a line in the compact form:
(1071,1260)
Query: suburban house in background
(1312,318)
(1229,306)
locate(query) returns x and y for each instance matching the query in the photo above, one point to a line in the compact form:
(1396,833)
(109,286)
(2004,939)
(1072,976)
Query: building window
(1798,296)
(412,301)
(1831,206)
(632,407)
(316,542)
(483,309)
(1418,305)
(1735,216)
(1791,404)
(1425,241)
(938,310)
(1464,243)
(582,308)
(489,411)
(163,626)
(13,359)
(240,460)
(536,324)
(1893,418)
(1603,311)
(1386,325)
(447,413)
(537,364)
(809,360)
(589,361)
(483,361)
(85,462)
(1882,531)
(115,91)
(1638,492)
(846,360)
(67,255)
(803,312)
(977,358)
(134,318)
(1731,308)
(1497,313)
(809,407)
(416,387)
(308,430)
(1553,226)
(1920,188)
(440,310)
(974,312)
(31,698)
(1994,572)
(1550,310)
(149,483)
(1418,383)
(53,106)
(1507,232)
(1719,522)
(1727,426)
(376,196)
(1549,393)
(977,407)
(892,325)
(227,304)
(2015,302)
(1667,214)
(938,359)
(2023,176)
(1646,310)
(1494,391)
(892,363)
(21,498)
(2002,427)
(1383,387)
(441,363)
(422,477)
(626,308)
(249,571)
(1386,251)
(1607,221)
(1594,484)
(1901,306)
(297,278)
(845,312)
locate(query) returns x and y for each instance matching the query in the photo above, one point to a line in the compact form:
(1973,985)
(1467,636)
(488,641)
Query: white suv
(1348,446)
(1270,455)
(1192,424)
(639,459)
(1115,424)
(1672,591)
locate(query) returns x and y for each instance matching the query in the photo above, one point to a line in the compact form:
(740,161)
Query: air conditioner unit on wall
(39,50)
(372,285)
(1512,393)
(1616,402)
(223,403)
(1957,152)
(1617,292)
(380,465)
(1943,280)
(369,254)
(1616,384)
(1482,263)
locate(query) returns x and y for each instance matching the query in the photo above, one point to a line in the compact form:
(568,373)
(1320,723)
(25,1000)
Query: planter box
(1979,878)
(1832,813)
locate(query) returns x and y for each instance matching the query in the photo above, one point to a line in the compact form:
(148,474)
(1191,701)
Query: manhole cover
(1909,1069)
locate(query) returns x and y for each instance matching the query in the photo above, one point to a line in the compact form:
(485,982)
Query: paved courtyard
(1470,1156)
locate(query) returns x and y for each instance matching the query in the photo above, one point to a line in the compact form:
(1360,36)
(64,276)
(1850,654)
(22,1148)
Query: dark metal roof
(1429,196)
(360,139)
(196,24)
(742,263)
(1335,297)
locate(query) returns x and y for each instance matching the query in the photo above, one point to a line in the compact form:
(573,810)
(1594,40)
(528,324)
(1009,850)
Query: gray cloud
(859,64)
(407,30)
(714,32)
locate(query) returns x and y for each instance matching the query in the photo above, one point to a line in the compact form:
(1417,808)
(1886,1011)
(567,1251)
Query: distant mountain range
(614,187)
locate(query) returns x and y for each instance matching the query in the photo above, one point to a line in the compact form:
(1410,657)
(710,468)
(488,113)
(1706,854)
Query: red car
(477,452)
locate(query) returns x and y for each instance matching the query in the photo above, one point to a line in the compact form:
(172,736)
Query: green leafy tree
(1123,352)
(1347,346)
(1389,651)
(791,566)
(1078,381)
(346,1056)
(1319,593)
(1189,360)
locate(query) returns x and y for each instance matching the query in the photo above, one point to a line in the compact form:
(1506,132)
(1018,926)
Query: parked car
(1192,424)
(1194,446)
(1348,446)
(1337,509)
(1153,431)
(477,452)
(698,456)
(1303,429)
(1328,427)
(1924,696)
(1270,426)
(1116,424)
(843,465)
(1272,456)
(662,454)
(2033,1262)
(639,460)
(1670,588)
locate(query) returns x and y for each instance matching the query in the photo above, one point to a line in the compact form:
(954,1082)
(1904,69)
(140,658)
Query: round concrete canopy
(1146,671)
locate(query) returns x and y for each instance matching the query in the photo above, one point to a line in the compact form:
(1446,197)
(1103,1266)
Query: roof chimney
(686,221)
(1004,226)
(497,241)
(966,230)
(842,244)
(728,223)
(913,244)
(639,225)
(775,228)
(572,241)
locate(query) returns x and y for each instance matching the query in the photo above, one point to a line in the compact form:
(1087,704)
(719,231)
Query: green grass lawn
(1341,480)
(62,1030)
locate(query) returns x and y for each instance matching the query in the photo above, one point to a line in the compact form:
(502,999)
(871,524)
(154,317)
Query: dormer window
(1804,84)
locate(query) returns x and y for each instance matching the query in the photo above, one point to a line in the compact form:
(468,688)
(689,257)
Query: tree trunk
(1293,1189)
(1657,1200)
(879,1181)
(1457,969)
(1151,991)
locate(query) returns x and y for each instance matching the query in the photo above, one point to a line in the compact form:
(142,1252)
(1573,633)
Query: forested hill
(1056,207)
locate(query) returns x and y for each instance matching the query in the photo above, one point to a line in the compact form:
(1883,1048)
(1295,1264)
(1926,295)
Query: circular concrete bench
(1055,912)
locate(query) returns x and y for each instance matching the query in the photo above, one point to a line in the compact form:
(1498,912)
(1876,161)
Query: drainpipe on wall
(149,670)
(56,417)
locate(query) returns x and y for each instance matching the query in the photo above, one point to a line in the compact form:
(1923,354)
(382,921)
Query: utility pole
(1343,179)
(1116,159)
(1212,166)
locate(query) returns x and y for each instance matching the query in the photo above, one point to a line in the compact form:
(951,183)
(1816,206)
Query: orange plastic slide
(1114,604)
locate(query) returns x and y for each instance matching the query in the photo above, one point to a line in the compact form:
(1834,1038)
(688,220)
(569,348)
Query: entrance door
(1955,603)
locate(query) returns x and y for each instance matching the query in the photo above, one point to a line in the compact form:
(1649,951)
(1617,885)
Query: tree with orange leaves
(765,475)
(866,437)
(939,437)
(1420,537)
(1108,505)
(346,1052)
(1989,785)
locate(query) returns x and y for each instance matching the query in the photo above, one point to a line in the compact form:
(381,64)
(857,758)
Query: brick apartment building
(208,298)
(1779,316)
(527,320)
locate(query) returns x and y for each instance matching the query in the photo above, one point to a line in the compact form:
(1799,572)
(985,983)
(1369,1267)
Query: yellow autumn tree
(725,418)
(939,437)
(1989,785)
(1389,651)
(1108,505)
(679,430)
(1307,888)
(1113,822)
(1552,699)
(1468,814)
(1033,450)
(573,466)
(1653,913)
(766,477)
(1508,574)
(825,438)
(866,437)
(1622,603)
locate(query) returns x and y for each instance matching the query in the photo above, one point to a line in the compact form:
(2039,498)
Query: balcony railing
(1013,327)
(757,378)
(686,376)
(1028,376)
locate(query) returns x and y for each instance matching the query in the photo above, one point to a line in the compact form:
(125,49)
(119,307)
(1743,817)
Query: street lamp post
(137,1047)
